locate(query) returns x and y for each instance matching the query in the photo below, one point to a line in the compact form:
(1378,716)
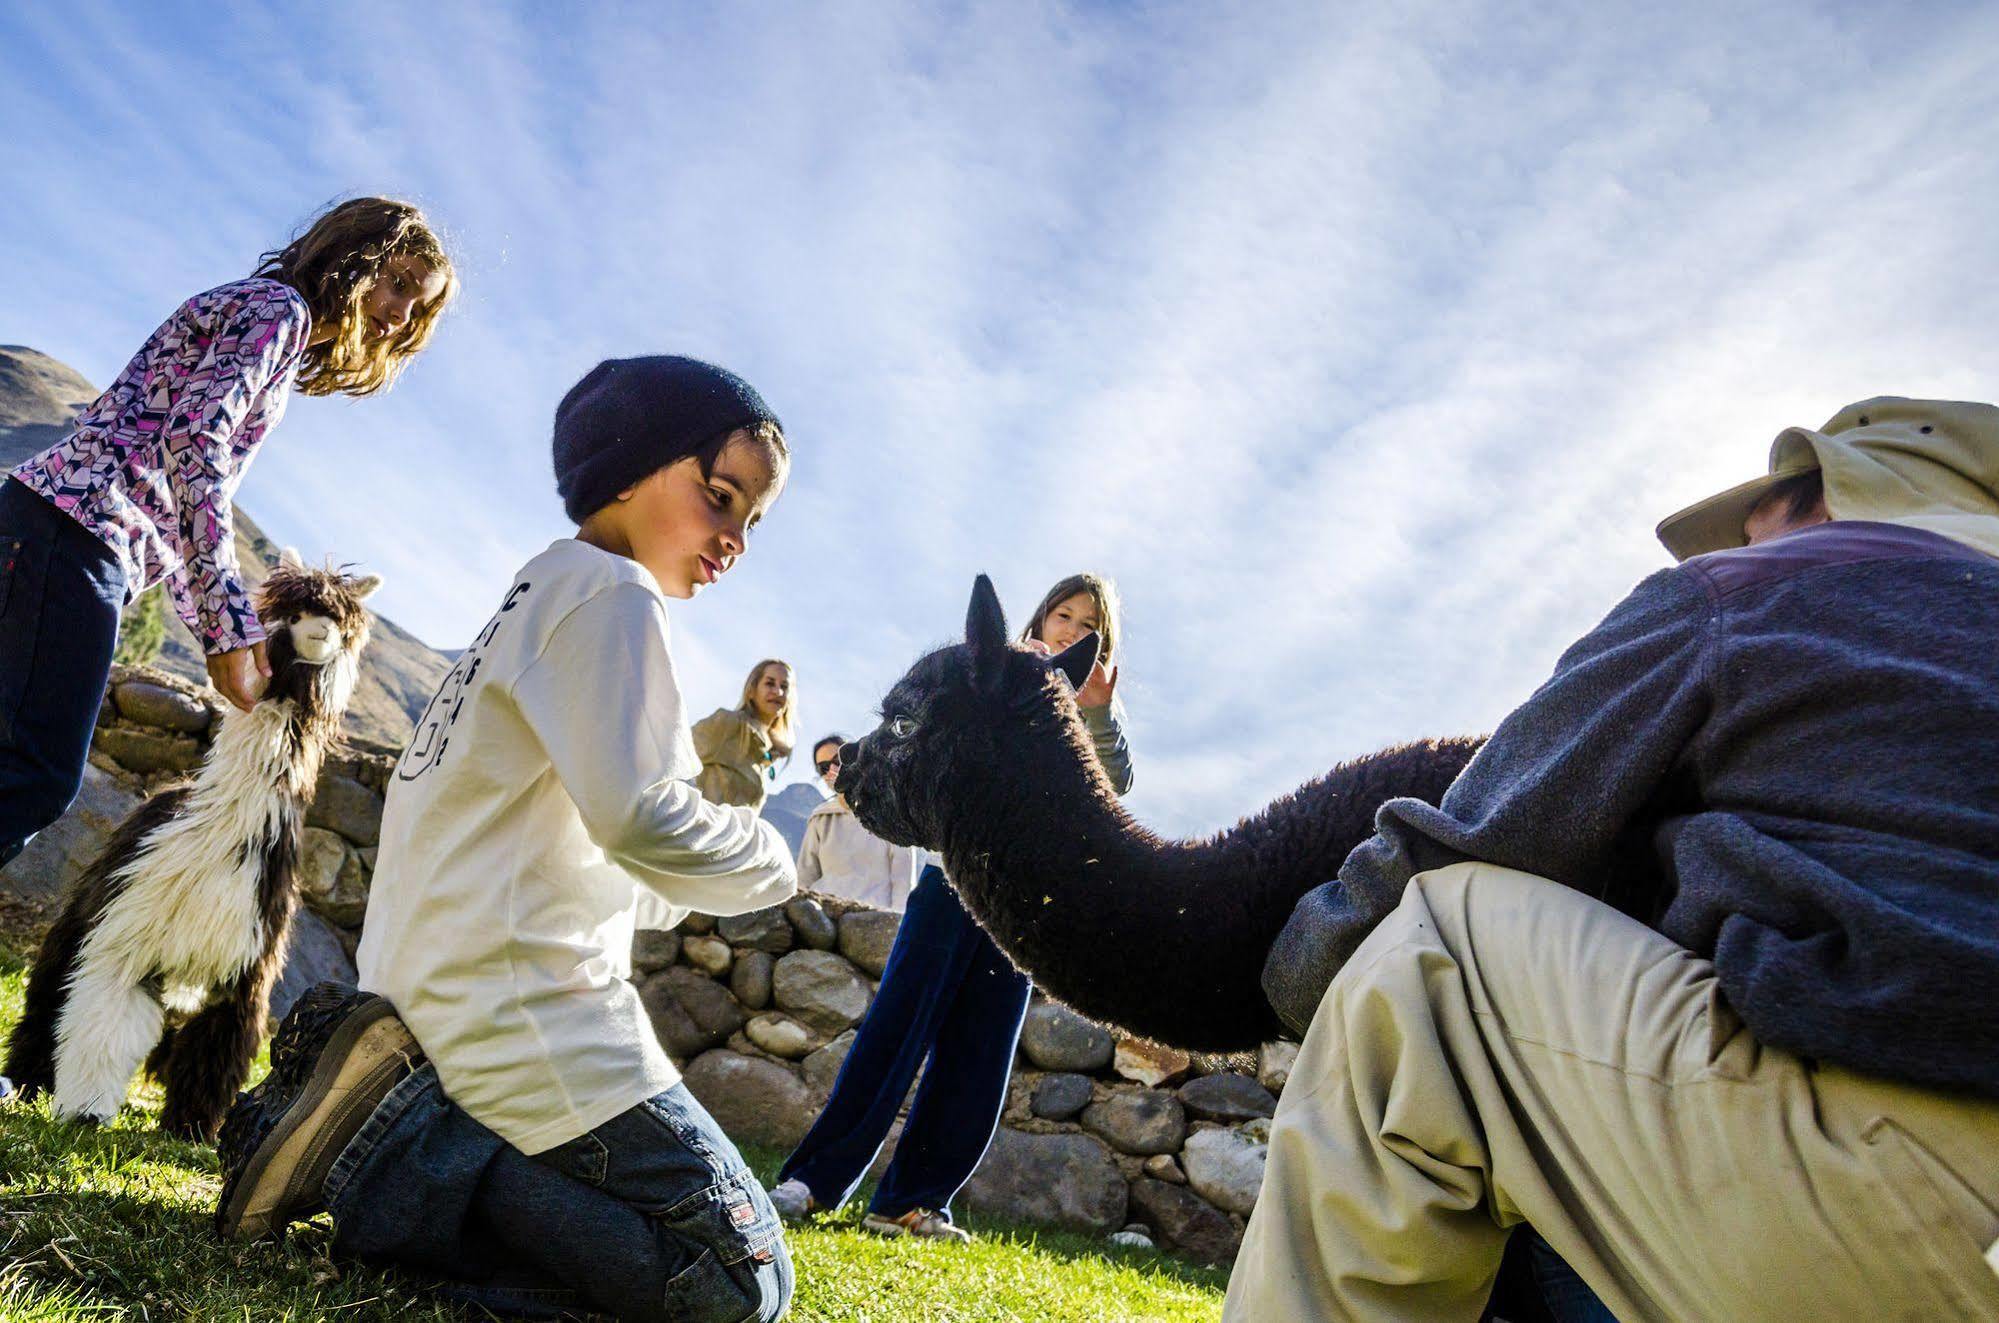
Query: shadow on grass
(16,950)
(1070,1246)
(114,1223)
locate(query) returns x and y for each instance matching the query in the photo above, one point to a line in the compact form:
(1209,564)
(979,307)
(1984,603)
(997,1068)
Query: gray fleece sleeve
(1550,794)
(1112,752)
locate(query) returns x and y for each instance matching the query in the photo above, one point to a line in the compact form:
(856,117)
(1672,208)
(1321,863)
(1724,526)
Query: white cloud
(1363,345)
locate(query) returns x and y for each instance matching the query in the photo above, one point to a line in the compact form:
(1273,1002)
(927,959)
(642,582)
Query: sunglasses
(826,766)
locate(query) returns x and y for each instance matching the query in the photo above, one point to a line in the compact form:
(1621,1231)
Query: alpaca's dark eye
(902,727)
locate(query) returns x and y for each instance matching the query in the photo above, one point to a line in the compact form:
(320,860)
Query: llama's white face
(316,639)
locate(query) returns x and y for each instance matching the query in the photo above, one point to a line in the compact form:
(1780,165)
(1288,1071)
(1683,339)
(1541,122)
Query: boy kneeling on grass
(494,1112)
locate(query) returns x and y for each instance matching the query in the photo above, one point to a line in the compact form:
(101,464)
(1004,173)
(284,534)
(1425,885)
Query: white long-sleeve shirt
(544,801)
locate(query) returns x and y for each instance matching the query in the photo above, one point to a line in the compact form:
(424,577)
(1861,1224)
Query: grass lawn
(113,1224)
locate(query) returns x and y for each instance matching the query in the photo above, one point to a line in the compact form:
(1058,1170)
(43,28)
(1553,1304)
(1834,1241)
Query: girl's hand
(240,675)
(1098,689)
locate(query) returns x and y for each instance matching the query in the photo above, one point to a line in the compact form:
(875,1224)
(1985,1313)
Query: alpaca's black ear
(985,630)
(1077,660)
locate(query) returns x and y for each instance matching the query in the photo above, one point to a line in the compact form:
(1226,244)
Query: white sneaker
(793,1201)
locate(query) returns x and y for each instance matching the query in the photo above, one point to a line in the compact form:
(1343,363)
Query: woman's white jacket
(842,857)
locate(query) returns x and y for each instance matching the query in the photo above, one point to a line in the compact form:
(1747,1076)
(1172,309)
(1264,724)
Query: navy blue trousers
(948,995)
(61,592)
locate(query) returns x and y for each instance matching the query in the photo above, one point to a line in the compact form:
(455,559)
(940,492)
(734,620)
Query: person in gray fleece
(1695,969)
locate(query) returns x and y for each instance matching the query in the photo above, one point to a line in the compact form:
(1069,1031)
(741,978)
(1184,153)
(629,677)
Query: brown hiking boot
(334,1059)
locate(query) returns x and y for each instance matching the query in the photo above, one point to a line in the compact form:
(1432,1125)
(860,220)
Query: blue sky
(1362,344)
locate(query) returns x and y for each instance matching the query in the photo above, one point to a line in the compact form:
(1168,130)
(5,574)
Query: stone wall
(1101,1133)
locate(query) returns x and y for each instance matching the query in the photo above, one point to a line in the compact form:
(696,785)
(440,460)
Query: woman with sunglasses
(841,857)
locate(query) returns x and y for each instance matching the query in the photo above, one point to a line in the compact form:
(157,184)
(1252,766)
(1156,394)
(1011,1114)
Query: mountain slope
(39,396)
(788,809)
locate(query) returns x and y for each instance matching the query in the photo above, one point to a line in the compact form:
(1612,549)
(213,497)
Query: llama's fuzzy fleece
(983,756)
(187,910)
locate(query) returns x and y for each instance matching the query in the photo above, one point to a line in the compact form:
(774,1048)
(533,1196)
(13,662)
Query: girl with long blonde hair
(740,746)
(140,488)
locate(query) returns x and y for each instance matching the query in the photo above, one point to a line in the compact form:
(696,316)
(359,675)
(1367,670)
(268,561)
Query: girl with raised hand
(739,746)
(947,994)
(140,488)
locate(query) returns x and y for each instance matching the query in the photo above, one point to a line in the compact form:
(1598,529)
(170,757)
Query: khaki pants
(1504,1050)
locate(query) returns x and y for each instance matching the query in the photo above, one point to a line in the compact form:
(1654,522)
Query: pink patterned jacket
(152,465)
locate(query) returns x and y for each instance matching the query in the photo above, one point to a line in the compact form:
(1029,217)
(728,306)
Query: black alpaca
(981,755)
(189,906)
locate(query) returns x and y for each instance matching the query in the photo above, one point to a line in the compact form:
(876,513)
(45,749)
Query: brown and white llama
(189,907)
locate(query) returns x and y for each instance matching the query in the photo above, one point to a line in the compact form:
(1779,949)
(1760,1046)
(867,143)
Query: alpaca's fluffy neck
(280,744)
(267,750)
(1165,938)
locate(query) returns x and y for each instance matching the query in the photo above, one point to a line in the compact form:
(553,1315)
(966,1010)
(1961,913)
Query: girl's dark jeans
(652,1215)
(949,994)
(61,591)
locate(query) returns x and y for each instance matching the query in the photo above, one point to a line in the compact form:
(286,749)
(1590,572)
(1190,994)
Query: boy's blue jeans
(652,1215)
(61,592)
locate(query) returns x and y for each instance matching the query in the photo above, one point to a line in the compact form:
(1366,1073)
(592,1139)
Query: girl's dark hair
(1803,492)
(834,738)
(332,264)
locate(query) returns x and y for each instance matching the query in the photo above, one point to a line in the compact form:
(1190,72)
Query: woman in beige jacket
(739,746)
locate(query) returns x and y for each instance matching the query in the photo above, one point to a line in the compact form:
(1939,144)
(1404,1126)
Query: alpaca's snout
(870,791)
(316,639)
(849,778)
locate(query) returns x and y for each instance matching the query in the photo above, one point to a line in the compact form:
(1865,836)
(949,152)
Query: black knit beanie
(630,417)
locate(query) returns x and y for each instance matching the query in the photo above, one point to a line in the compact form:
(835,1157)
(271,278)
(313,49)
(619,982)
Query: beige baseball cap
(1930,464)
